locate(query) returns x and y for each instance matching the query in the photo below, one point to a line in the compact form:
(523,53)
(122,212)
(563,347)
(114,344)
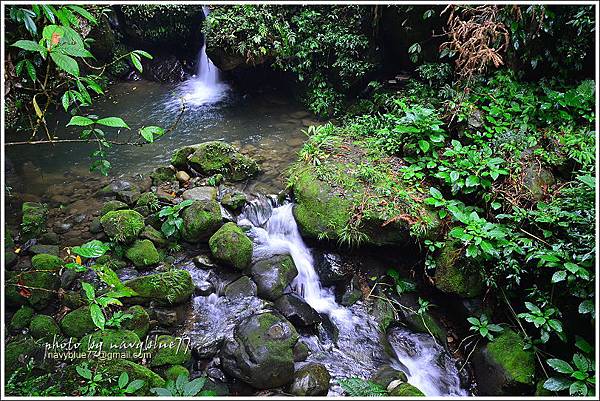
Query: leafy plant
(98,304)
(183,387)
(401,285)
(484,327)
(543,320)
(117,319)
(579,376)
(357,387)
(26,381)
(93,380)
(173,223)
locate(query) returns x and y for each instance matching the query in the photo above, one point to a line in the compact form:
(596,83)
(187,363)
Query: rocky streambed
(261,311)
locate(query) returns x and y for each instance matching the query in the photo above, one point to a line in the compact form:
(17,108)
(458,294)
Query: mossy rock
(454,274)
(310,380)
(201,220)
(113,205)
(12,297)
(170,288)
(46,262)
(111,340)
(231,246)
(170,351)
(9,244)
(234,200)
(507,351)
(273,275)
(150,200)
(157,237)
(139,322)
(217,157)
(123,225)
(35,217)
(180,157)
(42,287)
(134,370)
(17,353)
(143,253)
(40,249)
(406,390)
(43,326)
(78,323)
(163,174)
(425,323)
(173,372)
(21,318)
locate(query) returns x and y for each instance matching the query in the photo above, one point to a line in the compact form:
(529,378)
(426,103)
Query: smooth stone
(200,193)
(204,262)
(182,176)
(240,288)
(40,249)
(297,310)
(204,288)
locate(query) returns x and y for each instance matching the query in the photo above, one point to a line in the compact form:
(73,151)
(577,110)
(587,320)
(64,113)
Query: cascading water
(205,87)
(358,349)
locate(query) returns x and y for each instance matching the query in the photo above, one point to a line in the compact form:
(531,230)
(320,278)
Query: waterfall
(358,349)
(205,87)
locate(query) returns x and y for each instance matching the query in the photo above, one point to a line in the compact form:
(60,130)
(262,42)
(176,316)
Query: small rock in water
(301,352)
(204,288)
(166,317)
(242,287)
(61,227)
(311,380)
(182,176)
(201,194)
(48,249)
(204,262)
(296,310)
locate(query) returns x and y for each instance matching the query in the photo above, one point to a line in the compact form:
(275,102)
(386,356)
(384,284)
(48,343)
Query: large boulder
(46,262)
(240,288)
(406,390)
(273,275)
(35,217)
(122,225)
(310,380)
(455,274)
(43,326)
(217,157)
(503,367)
(143,253)
(21,319)
(231,246)
(112,340)
(78,323)
(139,322)
(170,288)
(170,351)
(260,352)
(200,220)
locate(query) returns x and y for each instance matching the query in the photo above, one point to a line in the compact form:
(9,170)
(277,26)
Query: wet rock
(78,323)
(68,277)
(503,367)
(180,156)
(162,174)
(296,310)
(10,258)
(242,287)
(425,323)
(182,176)
(351,292)
(200,220)
(157,237)
(218,157)
(167,317)
(454,273)
(42,285)
(301,352)
(331,269)
(537,180)
(35,217)
(170,288)
(201,194)
(406,390)
(261,351)
(234,200)
(111,206)
(164,69)
(50,238)
(44,249)
(44,261)
(204,288)
(17,352)
(21,319)
(129,197)
(171,351)
(387,374)
(273,275)
(96,226)
(165,194)
(139,322)
(123,225)
(43,326)
(231,246)
(204,262)
(310,380)
(117,186)
(206,348)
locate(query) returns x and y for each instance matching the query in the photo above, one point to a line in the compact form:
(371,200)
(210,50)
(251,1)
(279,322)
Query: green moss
(219,157)
(260,336)
(78,323)
(21,318)
(18,352)
(43,326)
(139,323)
(231,246)
(46,262)
(111,206)
(234,200)
(169,288)
(111,341)
(115,367)
(406,390)
(173,372)
(150,200)
(507,350)
(122,225)
(155,236)
(200,220)
(170,351)
(425,323)
(42,285)
(454,274)
(35,216)
(143,253)
(180,157)
(162,174)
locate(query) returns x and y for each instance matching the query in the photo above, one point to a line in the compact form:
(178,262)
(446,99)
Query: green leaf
(66,100)
(135,386)
(91,249)
(454,176)
(357,387)
(53,31)
(560,366)
(161,392)
(84,13)
(588,180)
(583,345)
(28,45)
(472,181)
(581,362)
(90,293)
(578,388)
(65,63)
(424,145)
(97,316)
(74,51)
(123,380)
(193,388)
(80,121)
(143,54)
(115,122)
(557,384)
(474,321)
(586,306)
(559,276)
(150,133)
(84,372)
(135,59)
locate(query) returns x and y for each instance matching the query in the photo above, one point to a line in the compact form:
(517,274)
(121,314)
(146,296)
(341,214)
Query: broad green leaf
(193,387)
(581,362)
(66,100)
(134,386)
(424,145)
(53,33)
(150,133)
(91,249)
(65,63)
(578,388)
(74,51)
(84,13)
(115,122)
(559,276)
(472,181)
(135,59)
(84,372)
(557,384)
(586,306)
(28,45)
(161,392)
(143,54)
(123,380)
(454,176)
(90,293)
(80,121)
(588,180)
(560,366)
(583,345)
(97,316)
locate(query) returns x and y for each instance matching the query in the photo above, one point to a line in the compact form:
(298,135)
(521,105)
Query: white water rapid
(205,87)
(358,349)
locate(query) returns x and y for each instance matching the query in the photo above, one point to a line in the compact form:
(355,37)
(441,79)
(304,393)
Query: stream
(267,126)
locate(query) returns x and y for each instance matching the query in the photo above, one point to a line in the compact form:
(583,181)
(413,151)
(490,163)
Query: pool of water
(266,125)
